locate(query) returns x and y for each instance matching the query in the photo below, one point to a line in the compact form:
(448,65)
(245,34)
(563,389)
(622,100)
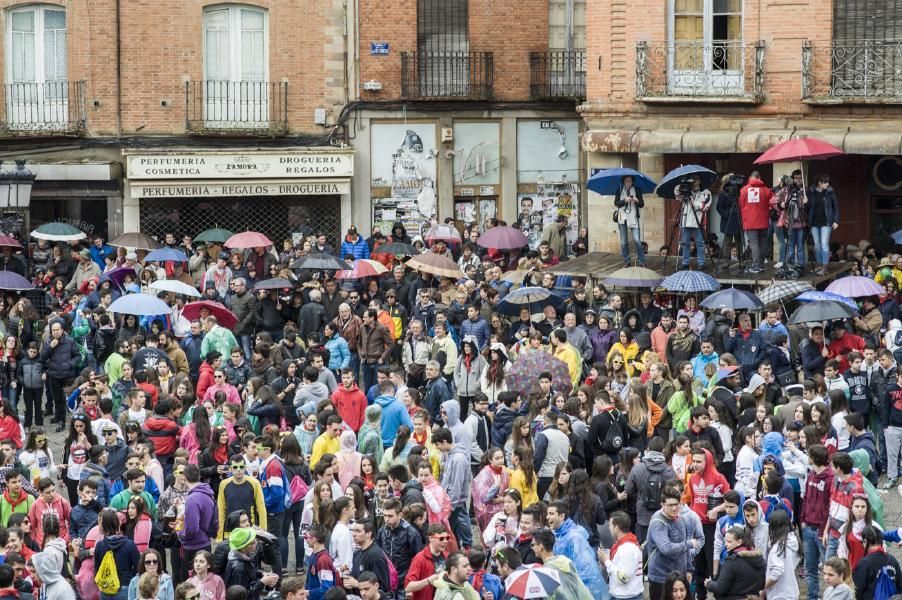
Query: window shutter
(23,48)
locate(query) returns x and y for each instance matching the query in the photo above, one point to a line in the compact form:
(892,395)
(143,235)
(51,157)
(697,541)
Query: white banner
(199,189)
(240,165)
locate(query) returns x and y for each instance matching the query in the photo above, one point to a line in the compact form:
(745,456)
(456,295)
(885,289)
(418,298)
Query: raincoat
(572,541)
(488,485)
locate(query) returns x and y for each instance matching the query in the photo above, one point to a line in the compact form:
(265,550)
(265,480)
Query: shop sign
(240,166)
(249,188)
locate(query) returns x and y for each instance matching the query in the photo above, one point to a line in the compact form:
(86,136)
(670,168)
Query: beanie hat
(241,538)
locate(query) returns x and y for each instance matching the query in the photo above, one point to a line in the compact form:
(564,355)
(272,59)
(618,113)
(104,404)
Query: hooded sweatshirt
(125,554)
(57,506)
(760,533)
(572,540)
(49,570)
(459,433)
(350,404)
(652,462)
(201,518)
(754,205)
(705,486)
(781,564)
(458,476)
(309,395)
(394,414)
(816,501)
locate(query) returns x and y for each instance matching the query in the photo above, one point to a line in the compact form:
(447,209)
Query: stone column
(655,229)
(603,234)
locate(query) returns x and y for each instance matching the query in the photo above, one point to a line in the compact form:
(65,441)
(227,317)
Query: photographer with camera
(754,207)
(628,201)
(788,206)
(696,203)
(728,209)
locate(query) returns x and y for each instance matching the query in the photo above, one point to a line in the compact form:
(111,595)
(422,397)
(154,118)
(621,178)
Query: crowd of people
(364,437)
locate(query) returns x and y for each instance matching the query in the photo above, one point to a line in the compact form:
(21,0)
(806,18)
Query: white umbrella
(175,286)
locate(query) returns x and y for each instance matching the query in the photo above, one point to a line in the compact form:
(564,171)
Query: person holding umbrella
(628,200)
(696,202)
(754,208)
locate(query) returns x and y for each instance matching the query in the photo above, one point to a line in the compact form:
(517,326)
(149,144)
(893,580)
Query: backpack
(298,488)
(392,573)
(775,504)
(886,583)
(107,578)
(613,437)
(650,491)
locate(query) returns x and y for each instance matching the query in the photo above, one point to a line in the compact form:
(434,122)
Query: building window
(867,20)
(706,37)
(443,45)
(236,66)
(36,85)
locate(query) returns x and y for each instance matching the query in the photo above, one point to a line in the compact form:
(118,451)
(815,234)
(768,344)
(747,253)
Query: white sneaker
(778,265)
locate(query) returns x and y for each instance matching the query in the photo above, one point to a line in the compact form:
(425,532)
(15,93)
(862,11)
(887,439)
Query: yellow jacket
(324,444)
(529,495)
(629,355)
(257,512)
(572,359)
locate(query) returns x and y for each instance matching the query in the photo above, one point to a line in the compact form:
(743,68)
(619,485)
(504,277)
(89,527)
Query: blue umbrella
(165,255)
(667,187)
(897,237)
(690,282)
(139,304)
(816,295)
(607,182)
(732,298)
(534,298)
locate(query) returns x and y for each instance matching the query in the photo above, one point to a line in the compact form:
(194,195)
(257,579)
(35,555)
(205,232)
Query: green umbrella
(213,236)
(58,232)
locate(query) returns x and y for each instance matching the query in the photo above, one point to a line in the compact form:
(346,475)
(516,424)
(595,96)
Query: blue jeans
(687,234)
(247,344)
(832,547)
(122,594)
(796,251)
(814,556)
(781,243)
(625,243)
(291,520)
(460,526)
(369,375)
(821,237)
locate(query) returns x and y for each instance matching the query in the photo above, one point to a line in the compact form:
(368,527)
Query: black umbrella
(397,249)
(667,186)
(822,310)
(273,284)
(321,262)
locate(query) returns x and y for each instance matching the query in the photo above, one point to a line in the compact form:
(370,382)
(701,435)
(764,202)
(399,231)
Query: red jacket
(702,485)
(754,205)
(164,433)
(841,501)
(151,392)
(841,347)
(816,502)
(9,430)
(421,567)
(351,405)
(205,379)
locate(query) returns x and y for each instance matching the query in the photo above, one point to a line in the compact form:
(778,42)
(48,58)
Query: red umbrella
(442,232)
(363,267)
(502,237)
(226,318)
(248,239)
(799,149)
(9,242)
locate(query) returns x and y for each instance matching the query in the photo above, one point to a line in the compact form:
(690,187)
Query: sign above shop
(240,166)
(201,189)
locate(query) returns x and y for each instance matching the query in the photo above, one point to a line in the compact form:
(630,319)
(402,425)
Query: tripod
(684,198)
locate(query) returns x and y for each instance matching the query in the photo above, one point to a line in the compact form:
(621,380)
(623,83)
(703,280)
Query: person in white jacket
(623,561)
(341,542)
(782,558)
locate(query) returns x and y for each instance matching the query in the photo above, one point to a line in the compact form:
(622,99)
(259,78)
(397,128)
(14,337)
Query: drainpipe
(118,69)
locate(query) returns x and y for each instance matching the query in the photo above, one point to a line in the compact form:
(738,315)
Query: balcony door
(236,69)
(705,50)
(566,66)
(443,48)
(37,90)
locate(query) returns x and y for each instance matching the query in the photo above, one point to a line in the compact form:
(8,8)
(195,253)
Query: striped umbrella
(690,282)
(638,277)
(532,582)
(783,289)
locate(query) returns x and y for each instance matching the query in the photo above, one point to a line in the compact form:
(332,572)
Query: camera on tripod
(734,183)
(684,190)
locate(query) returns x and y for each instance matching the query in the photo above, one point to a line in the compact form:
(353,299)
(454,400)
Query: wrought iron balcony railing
(557,74)
(696,71)
(447,75)
(50,107)
(866,71)
(255,107)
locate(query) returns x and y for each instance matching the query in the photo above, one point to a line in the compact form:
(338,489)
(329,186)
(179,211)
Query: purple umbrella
(855,286)
(118,275)
(10,280)
(502,237)
(524,373)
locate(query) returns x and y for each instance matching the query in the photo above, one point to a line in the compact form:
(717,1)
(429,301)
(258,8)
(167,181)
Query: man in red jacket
(163,431)
(349,401)
(847,483)
(754,207)
(706,488)
(428,565)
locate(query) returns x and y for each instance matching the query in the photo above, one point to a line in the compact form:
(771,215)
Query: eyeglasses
(218,376)
(441,538)
(237,467)
(193,597)
(151,561)
(109,433)
(40,440)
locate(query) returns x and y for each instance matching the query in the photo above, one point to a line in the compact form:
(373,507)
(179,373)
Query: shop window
(236,69)
(37,89)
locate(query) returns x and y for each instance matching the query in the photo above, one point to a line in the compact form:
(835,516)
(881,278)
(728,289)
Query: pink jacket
(59,507)
(231,393)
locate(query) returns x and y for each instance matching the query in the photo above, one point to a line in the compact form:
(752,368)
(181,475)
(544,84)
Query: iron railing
(721,71)
(258,107)
(557,74)
(447,75)
(50,107)
(866,71)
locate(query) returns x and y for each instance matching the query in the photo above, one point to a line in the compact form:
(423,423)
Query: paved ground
(892,500)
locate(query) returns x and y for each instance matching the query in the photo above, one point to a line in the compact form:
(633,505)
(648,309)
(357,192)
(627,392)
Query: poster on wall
(538,210)
(403,161)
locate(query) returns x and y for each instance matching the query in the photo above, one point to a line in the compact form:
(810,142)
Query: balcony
(557,74)
(48,108)
(236,107)
(721,72)
(447,75)
(867,72)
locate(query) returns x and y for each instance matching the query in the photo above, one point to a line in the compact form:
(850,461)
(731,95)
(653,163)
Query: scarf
(420,438)
(221,455)
(261,366)
(14,503)
(468,358)
(628,538)
(496,471)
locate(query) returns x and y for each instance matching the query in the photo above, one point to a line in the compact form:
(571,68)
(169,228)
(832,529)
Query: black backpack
(613,438)
(650,492)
